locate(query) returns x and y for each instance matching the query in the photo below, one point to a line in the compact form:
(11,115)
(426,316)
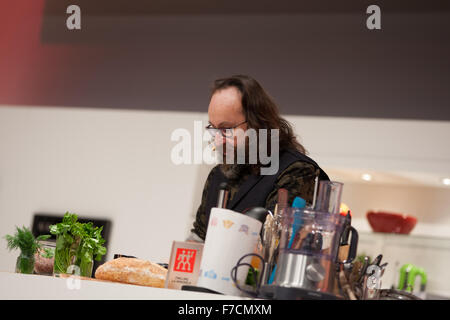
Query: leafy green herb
(24,240)
(76,244)
(48,253)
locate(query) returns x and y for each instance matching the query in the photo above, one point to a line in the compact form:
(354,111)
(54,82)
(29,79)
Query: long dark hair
(260,111)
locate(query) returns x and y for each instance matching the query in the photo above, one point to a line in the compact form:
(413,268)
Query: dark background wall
(314,57)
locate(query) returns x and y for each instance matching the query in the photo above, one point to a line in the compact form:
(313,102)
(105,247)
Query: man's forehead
(225,106)
(229,97)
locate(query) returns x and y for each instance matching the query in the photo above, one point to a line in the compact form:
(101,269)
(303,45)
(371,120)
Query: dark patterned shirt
(297,179)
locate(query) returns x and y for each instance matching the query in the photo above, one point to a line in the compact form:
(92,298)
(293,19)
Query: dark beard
(235,172)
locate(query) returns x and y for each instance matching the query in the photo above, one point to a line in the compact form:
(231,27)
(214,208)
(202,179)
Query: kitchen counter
(29,287)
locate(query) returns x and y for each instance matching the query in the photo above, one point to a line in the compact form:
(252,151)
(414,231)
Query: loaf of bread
(132,271)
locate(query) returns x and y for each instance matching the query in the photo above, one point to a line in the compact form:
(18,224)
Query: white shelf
(416,241)
(429,252)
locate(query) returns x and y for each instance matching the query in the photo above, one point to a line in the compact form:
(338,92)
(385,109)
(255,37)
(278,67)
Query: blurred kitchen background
(86,116)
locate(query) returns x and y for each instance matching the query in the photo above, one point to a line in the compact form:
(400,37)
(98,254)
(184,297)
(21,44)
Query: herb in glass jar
(24,240)
(76,246)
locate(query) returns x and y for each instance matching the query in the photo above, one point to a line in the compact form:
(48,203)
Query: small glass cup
(25,264)
(44,258)
(329,197)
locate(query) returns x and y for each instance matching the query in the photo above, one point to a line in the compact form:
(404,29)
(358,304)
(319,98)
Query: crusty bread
(132,271)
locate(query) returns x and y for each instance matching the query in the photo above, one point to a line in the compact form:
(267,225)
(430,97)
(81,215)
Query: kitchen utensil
(316,187)
(383,268)
(267,244)
(345,285)
(377,260)
(364,268)
(404,273)
(348,252)
(347,267)
(282,199)
(408,275)
(300,271)
(413,274)
(276,229)
(222,199)
(355,273)
(391,222)
(346,231)
(300,204)
(372,283)
(267,236)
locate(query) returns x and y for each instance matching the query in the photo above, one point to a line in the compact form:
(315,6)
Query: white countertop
(15,286)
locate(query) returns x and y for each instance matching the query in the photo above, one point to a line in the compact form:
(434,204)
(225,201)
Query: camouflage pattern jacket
(298,179)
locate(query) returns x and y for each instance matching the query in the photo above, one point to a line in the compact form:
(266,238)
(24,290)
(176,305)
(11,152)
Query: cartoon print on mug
(213,222)
(227,224)
(244,229)
(210,274)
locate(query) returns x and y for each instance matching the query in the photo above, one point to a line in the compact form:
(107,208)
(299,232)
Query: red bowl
(391,222)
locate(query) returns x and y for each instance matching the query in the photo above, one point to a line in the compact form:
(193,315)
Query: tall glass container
(329,197)
(70,258)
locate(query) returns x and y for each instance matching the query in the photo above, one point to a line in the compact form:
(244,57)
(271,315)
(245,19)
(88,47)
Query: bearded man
(239,106)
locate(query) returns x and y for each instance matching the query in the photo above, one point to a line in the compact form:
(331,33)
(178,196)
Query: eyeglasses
(225,132)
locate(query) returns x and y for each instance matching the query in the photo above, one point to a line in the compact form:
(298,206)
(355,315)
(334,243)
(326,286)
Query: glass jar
(44,258)
(25,263)
(70,258)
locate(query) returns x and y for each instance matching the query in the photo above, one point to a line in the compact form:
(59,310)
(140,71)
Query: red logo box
(185,260)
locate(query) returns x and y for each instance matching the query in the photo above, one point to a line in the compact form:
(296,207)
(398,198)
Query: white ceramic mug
(230,236)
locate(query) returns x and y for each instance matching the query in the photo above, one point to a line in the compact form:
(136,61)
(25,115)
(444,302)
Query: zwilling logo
(185,260)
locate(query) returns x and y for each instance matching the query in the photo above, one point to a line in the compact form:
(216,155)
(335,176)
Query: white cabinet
(430,253)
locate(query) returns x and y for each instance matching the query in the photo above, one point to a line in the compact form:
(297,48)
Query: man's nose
(219,139)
